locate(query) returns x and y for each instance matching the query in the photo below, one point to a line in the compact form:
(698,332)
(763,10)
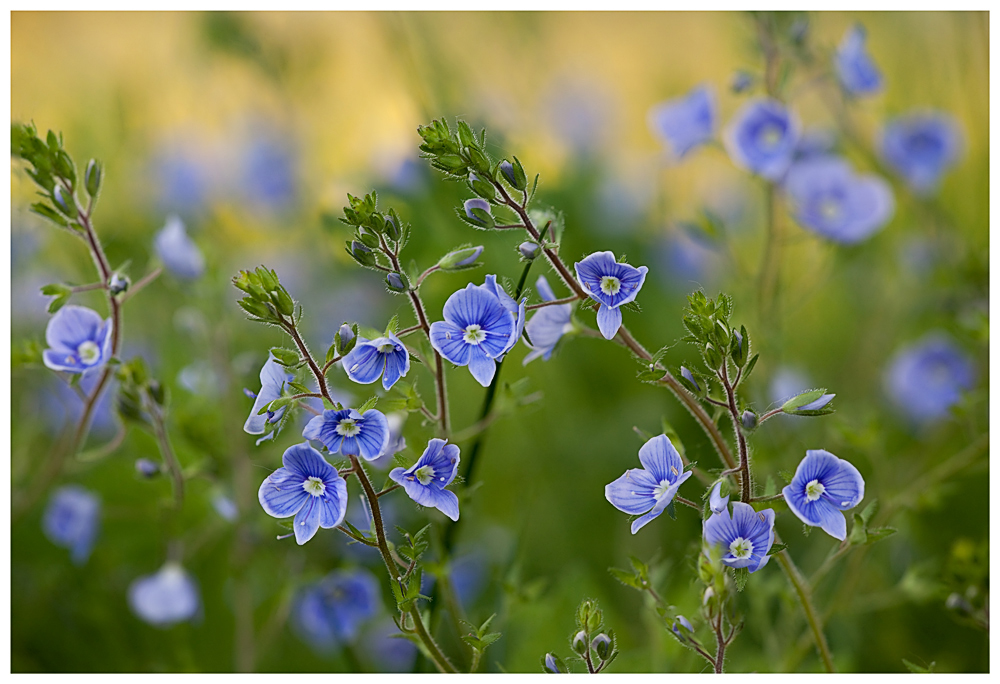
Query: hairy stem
(741,440)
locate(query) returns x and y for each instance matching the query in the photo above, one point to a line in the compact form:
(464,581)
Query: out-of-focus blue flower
(649,490)
(350,433)
(745,538)
(166,597)
(384,651)
(273,377)
(685,259)
(927,378)
(610,284)
(268,171)
(855,68)
(827,198)
(786,383)
(384,356)
(468,576)
(481,324)
(425,480)
(815,142)
(79,340)
(200,378)
(921,146)
(225,507)
(332,611)
(822,487)
(580,112)
(177,251)
(762,136)
(686,122)
(72,520)
(307,487)
(548,324)
(715,502)
(182,181)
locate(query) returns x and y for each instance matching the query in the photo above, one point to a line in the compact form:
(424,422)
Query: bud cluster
(267,299)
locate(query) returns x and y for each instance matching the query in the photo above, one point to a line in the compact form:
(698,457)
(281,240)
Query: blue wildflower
(762,136)
(548,325)
(786,383)
(855,68)
(827,198)
(72,520)
(745,538)
(384,651)
(715,502)
(611,284)
(425,480)
(268,171)
(225,507)
(79,340)
(822,487)
(273,378)
(350,433)
(921,146)
(384,356)
(927,378)
(685,122)
(178,252)
(649,490)
(165,598)
(332,611)
(307,487)
(481,324)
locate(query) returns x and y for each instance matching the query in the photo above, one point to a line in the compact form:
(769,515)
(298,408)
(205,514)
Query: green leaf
(879,533)
(393,326)
(627,578)
(56,290)
(741,575)
(777,548)
(58,303)
(859,534)
(869,511)
(370,404)
(916,669)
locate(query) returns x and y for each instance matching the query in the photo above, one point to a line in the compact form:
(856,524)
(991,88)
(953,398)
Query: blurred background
(250,128)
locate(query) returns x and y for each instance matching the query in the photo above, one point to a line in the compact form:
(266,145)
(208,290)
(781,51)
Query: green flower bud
(360,253)
(460,258)
(580,642)
(397,282)
(63,199)
(529,250)
(92,177)
(601,645)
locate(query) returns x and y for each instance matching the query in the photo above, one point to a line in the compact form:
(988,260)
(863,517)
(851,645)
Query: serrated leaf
(370,404)
(776,548)
(740,576)
(627,578)
(879,533)
(858,533)
(393,325)
(869,511)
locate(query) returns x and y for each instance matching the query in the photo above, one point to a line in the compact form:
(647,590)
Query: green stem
(802,591)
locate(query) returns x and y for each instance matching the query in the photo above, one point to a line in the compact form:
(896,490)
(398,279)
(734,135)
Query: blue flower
(548,324)
(384,356)
(745,538)
(927,378)
(855,68)
(307,487)
(762,137)
(715,502)
(822,487)
(786,383)
(178,252)
(332,611)
(649,490)
(273,377)
(425,480)
(268,171)
(611,284)
(72,519)
(79,340)
(685,122)
(225,507)
(481,324)
(350,433)
(827,198)
(384,651)
(165,598)
(921,146)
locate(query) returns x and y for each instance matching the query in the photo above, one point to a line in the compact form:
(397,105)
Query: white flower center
(387,348)
(88,352)
(769,136)
(814,490)
(424,475)
(610,285)
(348,428)
(314,486)
(661,489)
(829,209)
(474,334)
(741,548)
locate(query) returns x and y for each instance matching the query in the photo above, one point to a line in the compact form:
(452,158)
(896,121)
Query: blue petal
(608,321)
(165,598)
(281,494)
(845,488)
(831,520)
(445,501)
(62,361)
(364,364)
(543,289)
(323,428)
(594,267)
(73,325)
(632,493)
(373,439)
(481,366)
(661,459)
(306,521)
(641,521)
(474,305)
(305,461)
(687,121)
(715,502)
(178,252)
(447,339)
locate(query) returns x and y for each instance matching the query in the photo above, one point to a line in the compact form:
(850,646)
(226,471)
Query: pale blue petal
(445,501)
(305,461)
(715,502)
(281,494)
(543,289)
(447,339)
(661,459)
(73,325)
(481,366)
(364,364)
(632,493)
(306,521)
(608,321)
(373,439)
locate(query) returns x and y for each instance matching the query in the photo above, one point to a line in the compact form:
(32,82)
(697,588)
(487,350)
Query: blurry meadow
(252,128)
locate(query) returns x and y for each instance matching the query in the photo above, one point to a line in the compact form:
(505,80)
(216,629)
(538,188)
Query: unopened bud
(346,335)
(396,282)
(460,258)
(63,200)
(748,420)
(553,664)
(528,249)
(92,177)
(361,253)
(117,284)
(601,645)
(740,82)
(146,468)
(580,642)
(478,212)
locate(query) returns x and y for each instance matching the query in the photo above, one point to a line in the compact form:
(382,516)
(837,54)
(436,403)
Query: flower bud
(748,420)
(478,212)
(92,177)
(147,468)
(397,282)
(460,258)
(346,335)
(707,596)
(157,392)
(601,645)
(687,375)
(740,82)
(528,249)
(681,622)
(360,253)
(392,227)
(283,301)
(117,284)
(507,169)
(580,642)
(553,664)
(63,200)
